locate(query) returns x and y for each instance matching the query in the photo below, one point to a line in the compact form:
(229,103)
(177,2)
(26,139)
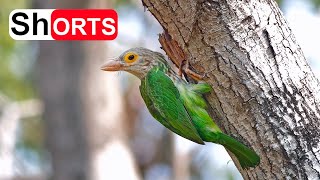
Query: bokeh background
(63,118)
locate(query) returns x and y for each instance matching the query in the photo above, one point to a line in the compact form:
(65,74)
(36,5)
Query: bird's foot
(184,68)
(180,72)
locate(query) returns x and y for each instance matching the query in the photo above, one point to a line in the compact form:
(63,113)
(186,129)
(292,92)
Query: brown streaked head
(137,61)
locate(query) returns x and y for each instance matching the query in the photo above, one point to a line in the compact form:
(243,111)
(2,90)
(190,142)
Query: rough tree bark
(265,94)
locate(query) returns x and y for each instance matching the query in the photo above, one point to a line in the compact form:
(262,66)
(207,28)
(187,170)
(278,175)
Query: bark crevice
(265,94)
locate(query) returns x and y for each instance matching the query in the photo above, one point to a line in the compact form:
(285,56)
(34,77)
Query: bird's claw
(189,72)
(194,75)
(180,72)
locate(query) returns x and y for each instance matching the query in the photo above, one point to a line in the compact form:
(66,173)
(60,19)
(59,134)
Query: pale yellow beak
(112,66)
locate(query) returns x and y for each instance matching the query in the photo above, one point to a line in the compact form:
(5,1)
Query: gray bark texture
(264,92)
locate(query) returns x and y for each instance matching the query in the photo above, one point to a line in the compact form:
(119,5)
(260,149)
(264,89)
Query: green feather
(163,101)
(207,128)
(179,105)
(181,108)
(201,88)
(246,157)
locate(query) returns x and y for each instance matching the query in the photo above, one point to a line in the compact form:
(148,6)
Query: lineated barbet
(176,103)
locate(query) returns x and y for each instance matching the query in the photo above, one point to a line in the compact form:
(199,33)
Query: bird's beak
(112,65)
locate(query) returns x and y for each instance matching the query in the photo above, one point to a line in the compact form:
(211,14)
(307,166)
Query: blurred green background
(62,118)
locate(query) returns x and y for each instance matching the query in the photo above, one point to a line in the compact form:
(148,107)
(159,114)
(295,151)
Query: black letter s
(25,25)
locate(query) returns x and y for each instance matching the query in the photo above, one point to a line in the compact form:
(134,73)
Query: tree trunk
(264,92)
(58,72)
(83,110)
(58,80)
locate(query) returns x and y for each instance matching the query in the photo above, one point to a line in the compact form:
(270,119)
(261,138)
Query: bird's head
(137,61)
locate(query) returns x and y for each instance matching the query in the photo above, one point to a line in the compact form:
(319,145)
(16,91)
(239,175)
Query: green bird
(176,103)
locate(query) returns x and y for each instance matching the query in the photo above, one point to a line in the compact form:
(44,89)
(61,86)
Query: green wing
(163,101)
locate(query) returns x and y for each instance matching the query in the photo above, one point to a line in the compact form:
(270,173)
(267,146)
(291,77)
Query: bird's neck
(160,65)
(166,68)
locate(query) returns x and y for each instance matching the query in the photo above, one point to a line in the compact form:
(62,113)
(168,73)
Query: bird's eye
(130,57)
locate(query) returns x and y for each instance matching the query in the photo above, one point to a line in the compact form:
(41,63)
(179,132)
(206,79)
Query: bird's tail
(246,157)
